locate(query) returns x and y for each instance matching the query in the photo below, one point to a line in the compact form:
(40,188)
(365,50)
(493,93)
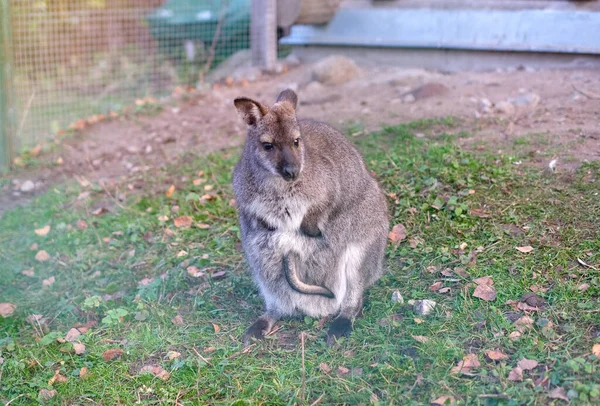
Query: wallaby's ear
(288,96)
(251,111)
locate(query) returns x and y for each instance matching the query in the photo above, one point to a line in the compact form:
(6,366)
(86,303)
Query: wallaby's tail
(291,274)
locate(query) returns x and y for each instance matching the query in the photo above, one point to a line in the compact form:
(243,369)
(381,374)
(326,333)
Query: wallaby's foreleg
(310,223)
(342,324)
(260,328)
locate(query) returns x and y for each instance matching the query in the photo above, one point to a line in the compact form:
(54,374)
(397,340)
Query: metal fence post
(6,109)
(263,34)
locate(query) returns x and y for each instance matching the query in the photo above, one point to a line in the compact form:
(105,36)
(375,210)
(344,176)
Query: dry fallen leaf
(83,372)
(436,286)
(42,256)
(109,355)
(182,253)
(157,371)
(209,350)
(418,320)
(527,364)
(495,355)
(46,394)
(170,191)
(48,282)
(444,400)
(6,309)
(516,374)
(177,320)
(79,348)
(342,370)
(72,335)
(81,224)
(203,226)
(421,339)
(514,336)
(523,323)
(484,280)
(173,354)
(324,368)
(583,287)
(485,292)
(195,272)
(468,362)
(596,350)
(28,272)
(398,233)
(57,378)
(42,231)
(198,182)
(183,222)
(208,188)
(558,393)
(525,249)
(216,328)
(100,211)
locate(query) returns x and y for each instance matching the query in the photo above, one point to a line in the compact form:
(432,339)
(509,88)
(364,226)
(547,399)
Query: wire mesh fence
(72,59)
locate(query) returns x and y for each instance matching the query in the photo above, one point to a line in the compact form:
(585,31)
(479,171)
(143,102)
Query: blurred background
(67,64)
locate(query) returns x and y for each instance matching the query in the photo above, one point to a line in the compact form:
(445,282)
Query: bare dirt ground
(539,114)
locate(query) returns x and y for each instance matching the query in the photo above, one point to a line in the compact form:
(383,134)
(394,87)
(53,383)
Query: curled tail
(291,274)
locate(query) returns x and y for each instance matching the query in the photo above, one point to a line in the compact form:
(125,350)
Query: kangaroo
(313,221)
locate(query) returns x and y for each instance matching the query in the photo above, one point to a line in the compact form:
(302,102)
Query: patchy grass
(124,273)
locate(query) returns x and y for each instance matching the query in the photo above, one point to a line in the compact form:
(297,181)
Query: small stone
(409,98)
(424,307)
(485,106)
(397,297)
(505,107)
(527,99)
(313,87)
(429,90)
(335,70)
(27,186)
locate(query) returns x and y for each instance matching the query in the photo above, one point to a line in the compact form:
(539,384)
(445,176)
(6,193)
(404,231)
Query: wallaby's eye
(267,146)
(297,142)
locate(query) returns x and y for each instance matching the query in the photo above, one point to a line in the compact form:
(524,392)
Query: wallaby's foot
(341,327)
(258,330)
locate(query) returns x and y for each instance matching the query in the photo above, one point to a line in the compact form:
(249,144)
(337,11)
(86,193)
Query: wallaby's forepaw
(256,331)
(341,327)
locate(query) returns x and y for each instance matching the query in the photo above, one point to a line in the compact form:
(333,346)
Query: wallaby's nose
(290,172)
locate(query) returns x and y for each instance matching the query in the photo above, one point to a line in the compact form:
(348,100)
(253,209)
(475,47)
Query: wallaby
(313,221)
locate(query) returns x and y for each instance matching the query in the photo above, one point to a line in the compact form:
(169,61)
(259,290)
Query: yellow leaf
(42,231)
(6,309)
(596,350)
(398,233)
(183,222)
(526,249)
(42,256)
(171,190)
(216,328)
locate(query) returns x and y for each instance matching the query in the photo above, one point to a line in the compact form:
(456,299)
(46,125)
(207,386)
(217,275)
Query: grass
(125,272)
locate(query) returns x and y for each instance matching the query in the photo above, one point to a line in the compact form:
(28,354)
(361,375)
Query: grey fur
(314,204)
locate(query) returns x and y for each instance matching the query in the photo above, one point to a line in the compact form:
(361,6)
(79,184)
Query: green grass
(445,197)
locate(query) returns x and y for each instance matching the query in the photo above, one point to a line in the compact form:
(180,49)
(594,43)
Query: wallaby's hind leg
(260,328)
(342,324)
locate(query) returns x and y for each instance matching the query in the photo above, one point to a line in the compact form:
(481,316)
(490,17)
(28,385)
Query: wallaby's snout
(291,165)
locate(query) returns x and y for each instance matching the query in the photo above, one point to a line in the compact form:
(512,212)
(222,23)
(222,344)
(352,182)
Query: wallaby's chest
(283,213)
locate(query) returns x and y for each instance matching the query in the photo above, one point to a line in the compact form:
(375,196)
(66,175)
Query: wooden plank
(6,110)
(560,31)
(263,34)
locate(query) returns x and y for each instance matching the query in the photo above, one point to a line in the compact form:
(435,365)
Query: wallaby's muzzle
(290,170)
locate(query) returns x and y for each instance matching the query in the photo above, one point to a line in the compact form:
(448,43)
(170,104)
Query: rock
(313,87)
(527,99)
(409,98)
(429,90)
(485,106)
(27,186)
(397,297)
(424,307)
(505,107)
(335,70)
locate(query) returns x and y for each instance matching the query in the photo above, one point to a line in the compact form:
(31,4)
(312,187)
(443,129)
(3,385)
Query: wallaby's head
(274,135)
